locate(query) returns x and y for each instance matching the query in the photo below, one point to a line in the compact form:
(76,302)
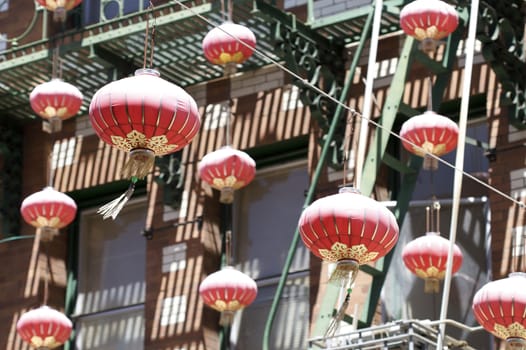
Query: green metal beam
(389,6)
(389,112)
(139,26)
(25,59)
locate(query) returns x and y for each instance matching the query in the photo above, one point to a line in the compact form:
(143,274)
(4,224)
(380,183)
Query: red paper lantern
(55,101)
(59,7)
(429,132)
(426,257)
(145,116)
(349,229)
(500,307)
(44,328)
(229,43)
(49,210)
(227,291)
(226,170)
(428,21)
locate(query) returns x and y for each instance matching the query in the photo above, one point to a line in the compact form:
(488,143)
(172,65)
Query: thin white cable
(368,94)
(350,109)
(459,165)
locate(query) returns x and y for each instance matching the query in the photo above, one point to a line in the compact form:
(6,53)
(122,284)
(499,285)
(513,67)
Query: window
(267,213)
(104,10)
(109,312)
(4,5)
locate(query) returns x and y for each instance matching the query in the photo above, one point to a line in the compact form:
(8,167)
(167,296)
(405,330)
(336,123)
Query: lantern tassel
(337,319)
(113,208)
(226,319)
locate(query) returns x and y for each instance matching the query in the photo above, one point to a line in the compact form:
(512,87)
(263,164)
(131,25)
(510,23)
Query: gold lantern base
(59,14)
(429,45)
(227,195)
(432,285)
(48,233)
(515,343)
(227,317)
(430,163)
(345,272)
(52,125)
(140,163)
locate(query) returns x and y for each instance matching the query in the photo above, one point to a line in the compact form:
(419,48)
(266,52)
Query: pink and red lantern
(229,44)
(348,228)
(428,21)
(59,7)
(227,291)
(146,116)
(500,307)
(55,101)
(426,257)
(226,170)
(48,210)
(429,133)
(44,328)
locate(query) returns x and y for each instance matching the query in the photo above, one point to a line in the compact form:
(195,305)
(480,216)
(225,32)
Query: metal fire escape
(110,45)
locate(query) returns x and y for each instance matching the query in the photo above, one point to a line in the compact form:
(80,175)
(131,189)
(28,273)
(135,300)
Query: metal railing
(401,334)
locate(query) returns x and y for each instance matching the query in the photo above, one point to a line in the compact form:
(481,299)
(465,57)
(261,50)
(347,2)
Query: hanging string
(227,116)
(47,271)
(347,146)
(223,12)
(429,93)
(306,83)
(230,10)
(146,36)
(427,220)
(56,70)
(228,247)
(436,206)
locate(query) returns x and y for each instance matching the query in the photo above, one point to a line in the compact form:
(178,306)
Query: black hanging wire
(347,146)
(149,40)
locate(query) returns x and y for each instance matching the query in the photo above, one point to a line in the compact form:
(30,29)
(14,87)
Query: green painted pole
(314,182)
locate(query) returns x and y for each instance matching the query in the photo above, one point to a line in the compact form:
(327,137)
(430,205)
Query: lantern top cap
(349,189)
(432,233)
(147,71)
(517,274)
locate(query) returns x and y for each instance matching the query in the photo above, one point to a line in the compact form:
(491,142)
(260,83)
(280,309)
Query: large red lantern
(44,328)
(500,307)
(55,101)
(428,21)
(227,291)
(229,44)
(59,7)
(426,257)
(429,133)
(146,116)
(49,210)
(348,228)
(226,170)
